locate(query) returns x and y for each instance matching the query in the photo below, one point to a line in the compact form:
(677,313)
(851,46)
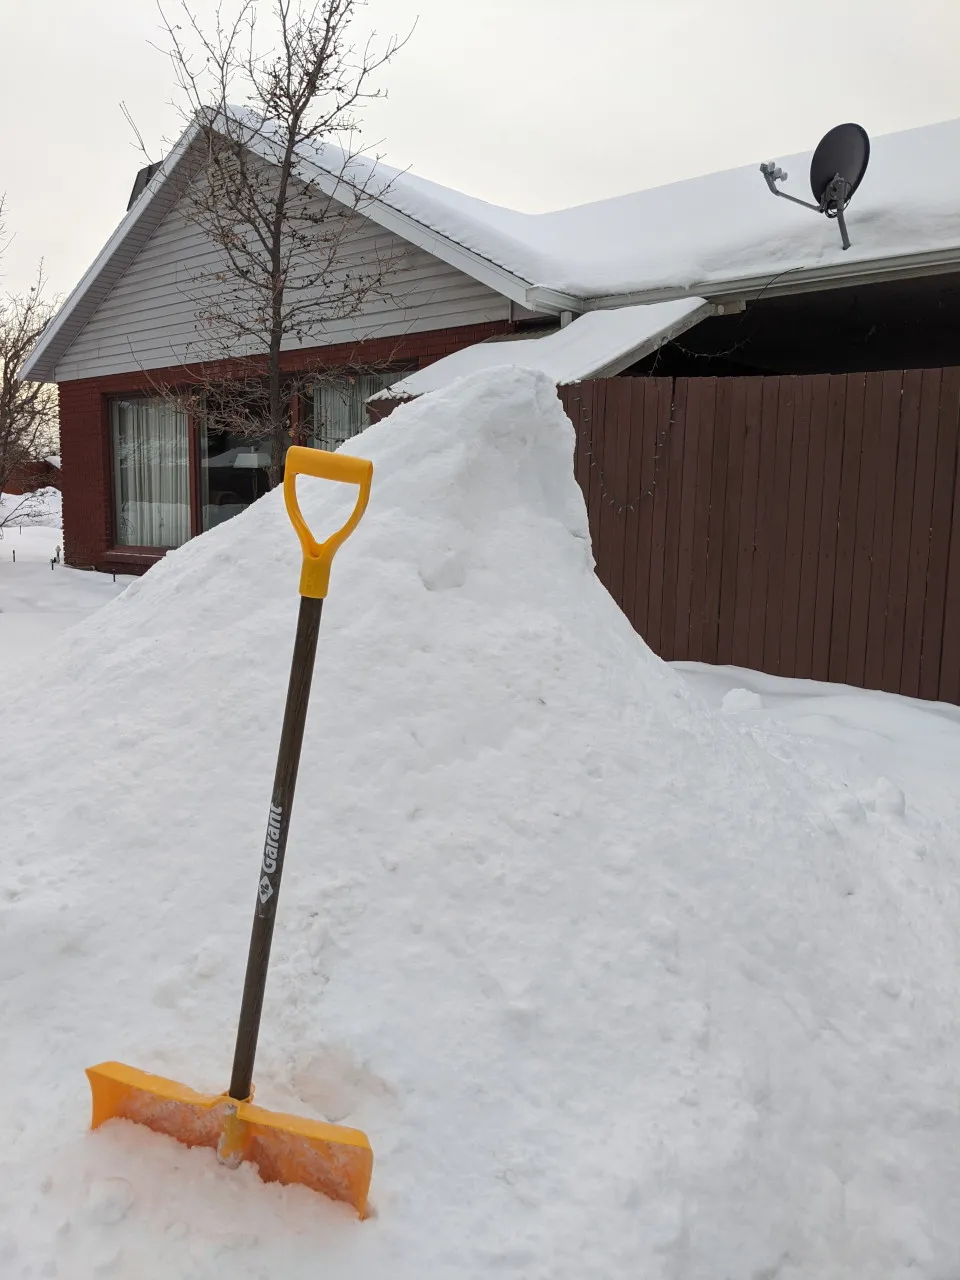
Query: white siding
(148,320)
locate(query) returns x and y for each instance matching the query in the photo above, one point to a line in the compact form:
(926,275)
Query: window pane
(234,471)
(339,406)
(151,470)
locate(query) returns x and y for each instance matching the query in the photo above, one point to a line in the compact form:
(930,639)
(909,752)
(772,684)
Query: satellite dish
(836,170)
(844,151)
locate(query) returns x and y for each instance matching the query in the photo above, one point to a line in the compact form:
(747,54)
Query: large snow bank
(615,991)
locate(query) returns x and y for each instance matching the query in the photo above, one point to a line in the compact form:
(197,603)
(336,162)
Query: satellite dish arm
(773,175)
(834,198)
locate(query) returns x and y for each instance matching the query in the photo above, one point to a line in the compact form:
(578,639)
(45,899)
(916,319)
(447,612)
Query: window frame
(125,550)
(302,431)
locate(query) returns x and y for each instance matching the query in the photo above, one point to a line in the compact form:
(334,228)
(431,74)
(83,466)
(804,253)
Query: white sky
(532,103)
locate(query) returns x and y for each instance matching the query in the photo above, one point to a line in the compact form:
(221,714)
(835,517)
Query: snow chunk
(741,700)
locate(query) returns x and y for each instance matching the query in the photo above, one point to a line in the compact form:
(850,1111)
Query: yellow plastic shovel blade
(329,1158)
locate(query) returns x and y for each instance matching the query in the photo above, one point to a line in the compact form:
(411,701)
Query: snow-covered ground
(864,734)
(620,983)
(37,601)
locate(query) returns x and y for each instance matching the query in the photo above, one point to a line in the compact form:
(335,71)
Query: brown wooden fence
(806,526)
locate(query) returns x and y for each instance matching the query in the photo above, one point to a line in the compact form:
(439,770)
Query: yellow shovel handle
(318,556)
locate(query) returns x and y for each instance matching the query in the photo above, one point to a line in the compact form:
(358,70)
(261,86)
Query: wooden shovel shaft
(271,869)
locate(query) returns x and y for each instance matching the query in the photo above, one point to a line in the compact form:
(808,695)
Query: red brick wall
(85,435)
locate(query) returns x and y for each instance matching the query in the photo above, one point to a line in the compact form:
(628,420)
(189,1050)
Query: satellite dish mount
(836,170)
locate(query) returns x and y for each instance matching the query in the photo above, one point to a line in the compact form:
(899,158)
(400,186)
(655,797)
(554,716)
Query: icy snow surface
(590,346)
(618,986)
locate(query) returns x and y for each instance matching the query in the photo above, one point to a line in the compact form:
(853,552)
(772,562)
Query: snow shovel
(326,1157)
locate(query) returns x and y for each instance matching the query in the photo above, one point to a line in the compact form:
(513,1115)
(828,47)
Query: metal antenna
(834,198)
(836,170)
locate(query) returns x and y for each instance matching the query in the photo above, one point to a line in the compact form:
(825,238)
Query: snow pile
(615,991)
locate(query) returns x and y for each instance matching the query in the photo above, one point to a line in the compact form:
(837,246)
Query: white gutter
(794,280)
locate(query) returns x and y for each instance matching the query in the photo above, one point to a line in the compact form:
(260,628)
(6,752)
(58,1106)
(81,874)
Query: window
(234,471)
(339,406)
(177,473)
(151,473)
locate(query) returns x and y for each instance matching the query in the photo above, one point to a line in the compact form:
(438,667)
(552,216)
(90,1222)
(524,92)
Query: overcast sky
(536,104)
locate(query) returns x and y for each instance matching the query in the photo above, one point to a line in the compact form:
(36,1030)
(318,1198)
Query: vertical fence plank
(671,551)
(863,548)
(793,547)
(715,524)
(812,510)
(753,425)
(921,523)
(847,526)
(948,440)
(619,480)
(778,524)
(650,391)
(949,688)
(659,498)
(575,399)
(883,528)
(688,501)
(708,393)
(596,426)
(905,471)
(761,558)
(583,413)
(606,454)
(632,551)
(731,521)
(827,550)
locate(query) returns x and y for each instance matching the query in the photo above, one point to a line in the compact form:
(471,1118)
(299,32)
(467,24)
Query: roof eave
(505,282)
(41,364)
(799,280)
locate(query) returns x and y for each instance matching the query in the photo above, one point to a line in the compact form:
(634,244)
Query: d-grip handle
(318,556)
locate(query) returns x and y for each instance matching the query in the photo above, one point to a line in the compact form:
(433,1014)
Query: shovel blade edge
(328,1158)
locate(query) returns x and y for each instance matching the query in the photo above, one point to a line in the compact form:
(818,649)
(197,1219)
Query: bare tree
(285,269)
(28,410)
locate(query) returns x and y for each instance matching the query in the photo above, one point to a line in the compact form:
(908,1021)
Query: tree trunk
(279,435)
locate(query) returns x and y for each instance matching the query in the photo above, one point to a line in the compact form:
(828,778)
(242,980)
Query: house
(30,475)
(701,294)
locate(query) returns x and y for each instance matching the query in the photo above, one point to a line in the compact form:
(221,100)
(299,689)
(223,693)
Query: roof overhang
(141,221)
(905,266)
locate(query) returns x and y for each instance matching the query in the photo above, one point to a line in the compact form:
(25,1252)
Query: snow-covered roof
(710,233)
(595,345)
(719,235)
